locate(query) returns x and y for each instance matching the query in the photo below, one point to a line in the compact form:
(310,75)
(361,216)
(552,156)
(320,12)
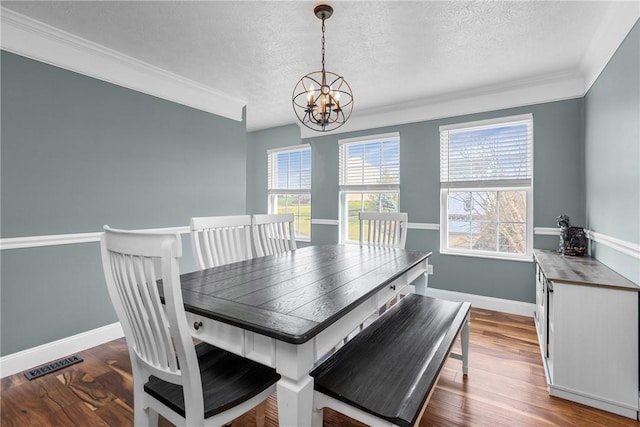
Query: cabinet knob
(393,287)
(197,325)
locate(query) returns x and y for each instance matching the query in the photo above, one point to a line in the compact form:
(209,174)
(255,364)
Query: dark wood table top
(294,296)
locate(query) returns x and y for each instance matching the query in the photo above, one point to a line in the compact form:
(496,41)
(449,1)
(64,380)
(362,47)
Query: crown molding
(615,26)
(33,39)
(555,87)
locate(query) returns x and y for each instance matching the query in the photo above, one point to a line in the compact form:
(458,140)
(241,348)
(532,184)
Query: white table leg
(464,341)
(295,388)
(295,402)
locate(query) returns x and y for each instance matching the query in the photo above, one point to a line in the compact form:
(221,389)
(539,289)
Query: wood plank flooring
(505,387)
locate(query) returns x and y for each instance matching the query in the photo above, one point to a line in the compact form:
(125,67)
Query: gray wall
(558,189)
(78,153)
(612,155)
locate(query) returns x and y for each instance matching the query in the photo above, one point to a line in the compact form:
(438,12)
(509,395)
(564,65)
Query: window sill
(489,255)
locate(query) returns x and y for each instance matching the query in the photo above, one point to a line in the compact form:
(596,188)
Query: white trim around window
(379,137)
(292,188)
(444,233)
(369,166)
(492,157)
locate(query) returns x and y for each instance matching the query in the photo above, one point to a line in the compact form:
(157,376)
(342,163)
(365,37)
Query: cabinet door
(594,345)
(541,310)
(539,294)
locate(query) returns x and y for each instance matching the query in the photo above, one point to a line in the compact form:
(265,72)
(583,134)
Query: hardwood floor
(505,387)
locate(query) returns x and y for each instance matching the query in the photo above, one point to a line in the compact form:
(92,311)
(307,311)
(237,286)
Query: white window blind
(373,162)
(369,179)
(289,186)
(487,154)
(289,170)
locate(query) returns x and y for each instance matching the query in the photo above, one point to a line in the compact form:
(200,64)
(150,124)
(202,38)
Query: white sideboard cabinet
(587,323)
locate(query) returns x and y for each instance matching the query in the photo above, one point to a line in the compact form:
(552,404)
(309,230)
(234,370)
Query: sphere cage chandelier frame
(322,100)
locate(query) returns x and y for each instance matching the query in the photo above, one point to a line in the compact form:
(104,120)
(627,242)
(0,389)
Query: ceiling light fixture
(322,100)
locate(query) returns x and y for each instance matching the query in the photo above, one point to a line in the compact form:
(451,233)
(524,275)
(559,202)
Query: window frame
(275,192)
(345,189)
(489,186)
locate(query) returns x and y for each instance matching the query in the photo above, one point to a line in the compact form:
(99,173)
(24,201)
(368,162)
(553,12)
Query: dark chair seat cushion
(227,380)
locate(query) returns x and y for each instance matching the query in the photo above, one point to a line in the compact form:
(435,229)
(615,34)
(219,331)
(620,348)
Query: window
(289,187)
(486,188)
(369,179)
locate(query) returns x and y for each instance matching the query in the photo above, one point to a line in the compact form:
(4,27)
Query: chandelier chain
(323,45)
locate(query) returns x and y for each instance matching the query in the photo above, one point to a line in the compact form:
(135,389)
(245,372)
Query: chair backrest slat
(273,234)
(221,240)
(384,229)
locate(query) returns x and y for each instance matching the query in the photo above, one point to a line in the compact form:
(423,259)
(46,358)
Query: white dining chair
(383,229)
(219,240)
(186,384)
(273,234)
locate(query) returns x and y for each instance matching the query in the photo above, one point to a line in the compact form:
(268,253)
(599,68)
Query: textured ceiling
(391,52)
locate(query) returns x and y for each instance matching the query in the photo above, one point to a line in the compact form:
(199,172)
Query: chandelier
(322,100)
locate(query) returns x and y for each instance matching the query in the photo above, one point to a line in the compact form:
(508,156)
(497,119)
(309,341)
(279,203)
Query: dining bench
(385,375)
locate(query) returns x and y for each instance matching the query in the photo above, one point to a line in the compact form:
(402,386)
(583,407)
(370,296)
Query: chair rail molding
(315,221)
(410,225)
(546,231)
(627,248)
(622,246)
(69,239)
(33,39)
(423,226)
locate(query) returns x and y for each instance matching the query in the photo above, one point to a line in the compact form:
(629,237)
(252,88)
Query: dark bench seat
(390,369)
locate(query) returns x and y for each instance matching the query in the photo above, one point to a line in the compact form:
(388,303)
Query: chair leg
(317,417)
(260,414)
(153,417)
(143,415)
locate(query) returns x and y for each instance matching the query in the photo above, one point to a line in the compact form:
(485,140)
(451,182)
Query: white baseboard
(487,303)
(32,357)
(597,402)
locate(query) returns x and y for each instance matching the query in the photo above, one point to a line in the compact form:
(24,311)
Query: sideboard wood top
(580,271)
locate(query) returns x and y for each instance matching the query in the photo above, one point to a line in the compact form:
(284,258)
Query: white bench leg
(464,341)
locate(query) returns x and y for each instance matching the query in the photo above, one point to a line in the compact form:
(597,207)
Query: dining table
(290,310)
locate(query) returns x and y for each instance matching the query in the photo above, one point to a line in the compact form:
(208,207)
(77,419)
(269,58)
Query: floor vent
(52,367)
